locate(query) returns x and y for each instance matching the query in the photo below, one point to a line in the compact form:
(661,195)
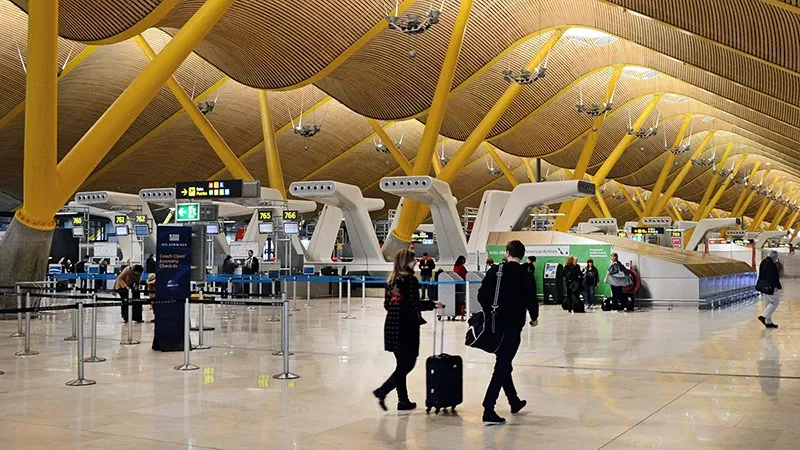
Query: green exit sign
(187,212)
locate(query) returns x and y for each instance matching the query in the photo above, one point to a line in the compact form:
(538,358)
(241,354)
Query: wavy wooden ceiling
(747,81)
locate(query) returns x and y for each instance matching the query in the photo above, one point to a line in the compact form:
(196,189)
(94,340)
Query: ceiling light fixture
(643,133)
(411,23)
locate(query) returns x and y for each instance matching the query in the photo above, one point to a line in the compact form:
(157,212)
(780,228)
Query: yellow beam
(84,157)
(595,210)
(389,143)
(212,136)
(72,64)
(773,225)
(591,139)
(701,210)
(437,164)
(677,211)
(40,176)
(271,153)
(671,214)
(665,171)
(725,183)
(765,213)
(752,195)
(414,213)
(750,181)
(761,210)
(603,205)
(790,219)
(529,170)
(123,155)
(638,194)
(627,196)
(288,126)
(790,223)
(610,162)
(497,160)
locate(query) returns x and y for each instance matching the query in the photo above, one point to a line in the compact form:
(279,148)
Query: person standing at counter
(250,267)
(129,278)
(426,266)
(591,280)
(460,268)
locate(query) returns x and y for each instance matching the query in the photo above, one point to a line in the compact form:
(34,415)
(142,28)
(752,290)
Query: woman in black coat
(401,328)
(574,284)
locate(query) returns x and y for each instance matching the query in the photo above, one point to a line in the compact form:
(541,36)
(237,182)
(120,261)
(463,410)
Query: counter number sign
(264,215)
(141,219)
(120,220)
(77,220)
(290,215)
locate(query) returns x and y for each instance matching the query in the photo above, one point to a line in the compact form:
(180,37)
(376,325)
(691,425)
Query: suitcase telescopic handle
(441,336)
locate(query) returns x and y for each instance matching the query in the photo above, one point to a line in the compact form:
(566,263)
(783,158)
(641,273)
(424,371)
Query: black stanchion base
(93,359)
(129,343)
(280,353)
(2,373)
(286,376)
(204,329)
(71,338)
(201,347)
(27,353)
(81,383)
(186,367)
(18,335)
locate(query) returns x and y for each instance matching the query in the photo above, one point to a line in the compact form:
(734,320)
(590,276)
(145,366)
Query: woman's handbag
(482,333)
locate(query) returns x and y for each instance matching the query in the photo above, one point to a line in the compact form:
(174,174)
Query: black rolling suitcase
(444,378)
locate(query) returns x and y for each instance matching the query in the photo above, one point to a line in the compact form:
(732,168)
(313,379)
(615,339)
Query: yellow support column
(591,138)
(671,215)
(493,153)
(773,225)
(711,185)
(750,197)
(764,203)
(627,196)
(40,157)
(412,213)
(220,147)
(95,144)
(766,208)
(792,218)
(677,211)
(595,210)
(725,183)
(393,150)
(743,195)
(529,170)
(662,177)
(662,202)
(273,158)
(603,205)
(610,162)
(639,197)
(401,236)
(437,165)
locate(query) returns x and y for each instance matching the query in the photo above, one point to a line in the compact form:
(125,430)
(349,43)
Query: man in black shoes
(516,296)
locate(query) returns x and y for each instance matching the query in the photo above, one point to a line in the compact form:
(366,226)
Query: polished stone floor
(658,379)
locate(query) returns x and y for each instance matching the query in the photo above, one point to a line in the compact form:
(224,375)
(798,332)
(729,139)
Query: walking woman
(591,279)
(574,280)
(401,329)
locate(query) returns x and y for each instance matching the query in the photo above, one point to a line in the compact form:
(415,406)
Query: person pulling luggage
(401,328)
(515,296)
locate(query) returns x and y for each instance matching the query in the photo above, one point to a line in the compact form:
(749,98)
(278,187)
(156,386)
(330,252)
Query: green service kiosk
(553,284)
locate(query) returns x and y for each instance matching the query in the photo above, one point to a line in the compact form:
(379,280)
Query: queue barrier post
(294,294)
(272,318)
(19,332)
(308,294)
(186,345)
(285,352)
(93,357)
(349,297)
(339,311)
(80,381)
(363,293)
(27,351)
(74,336)
(201,325)
(130,340)
(285,314)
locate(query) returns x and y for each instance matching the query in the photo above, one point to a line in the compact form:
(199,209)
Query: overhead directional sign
(290,215)
(209,189)
(141,219)
(187,212)
(647,230)
(264,215)
(120,220)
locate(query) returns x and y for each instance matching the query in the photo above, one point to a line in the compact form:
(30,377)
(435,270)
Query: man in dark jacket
(426,266)
(150,264)
(769,282)
(517,295)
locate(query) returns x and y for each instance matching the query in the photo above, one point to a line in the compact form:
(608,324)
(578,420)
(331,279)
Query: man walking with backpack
(515,296)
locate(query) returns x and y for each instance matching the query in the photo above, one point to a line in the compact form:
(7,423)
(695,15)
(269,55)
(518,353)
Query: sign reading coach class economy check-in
(173,276)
